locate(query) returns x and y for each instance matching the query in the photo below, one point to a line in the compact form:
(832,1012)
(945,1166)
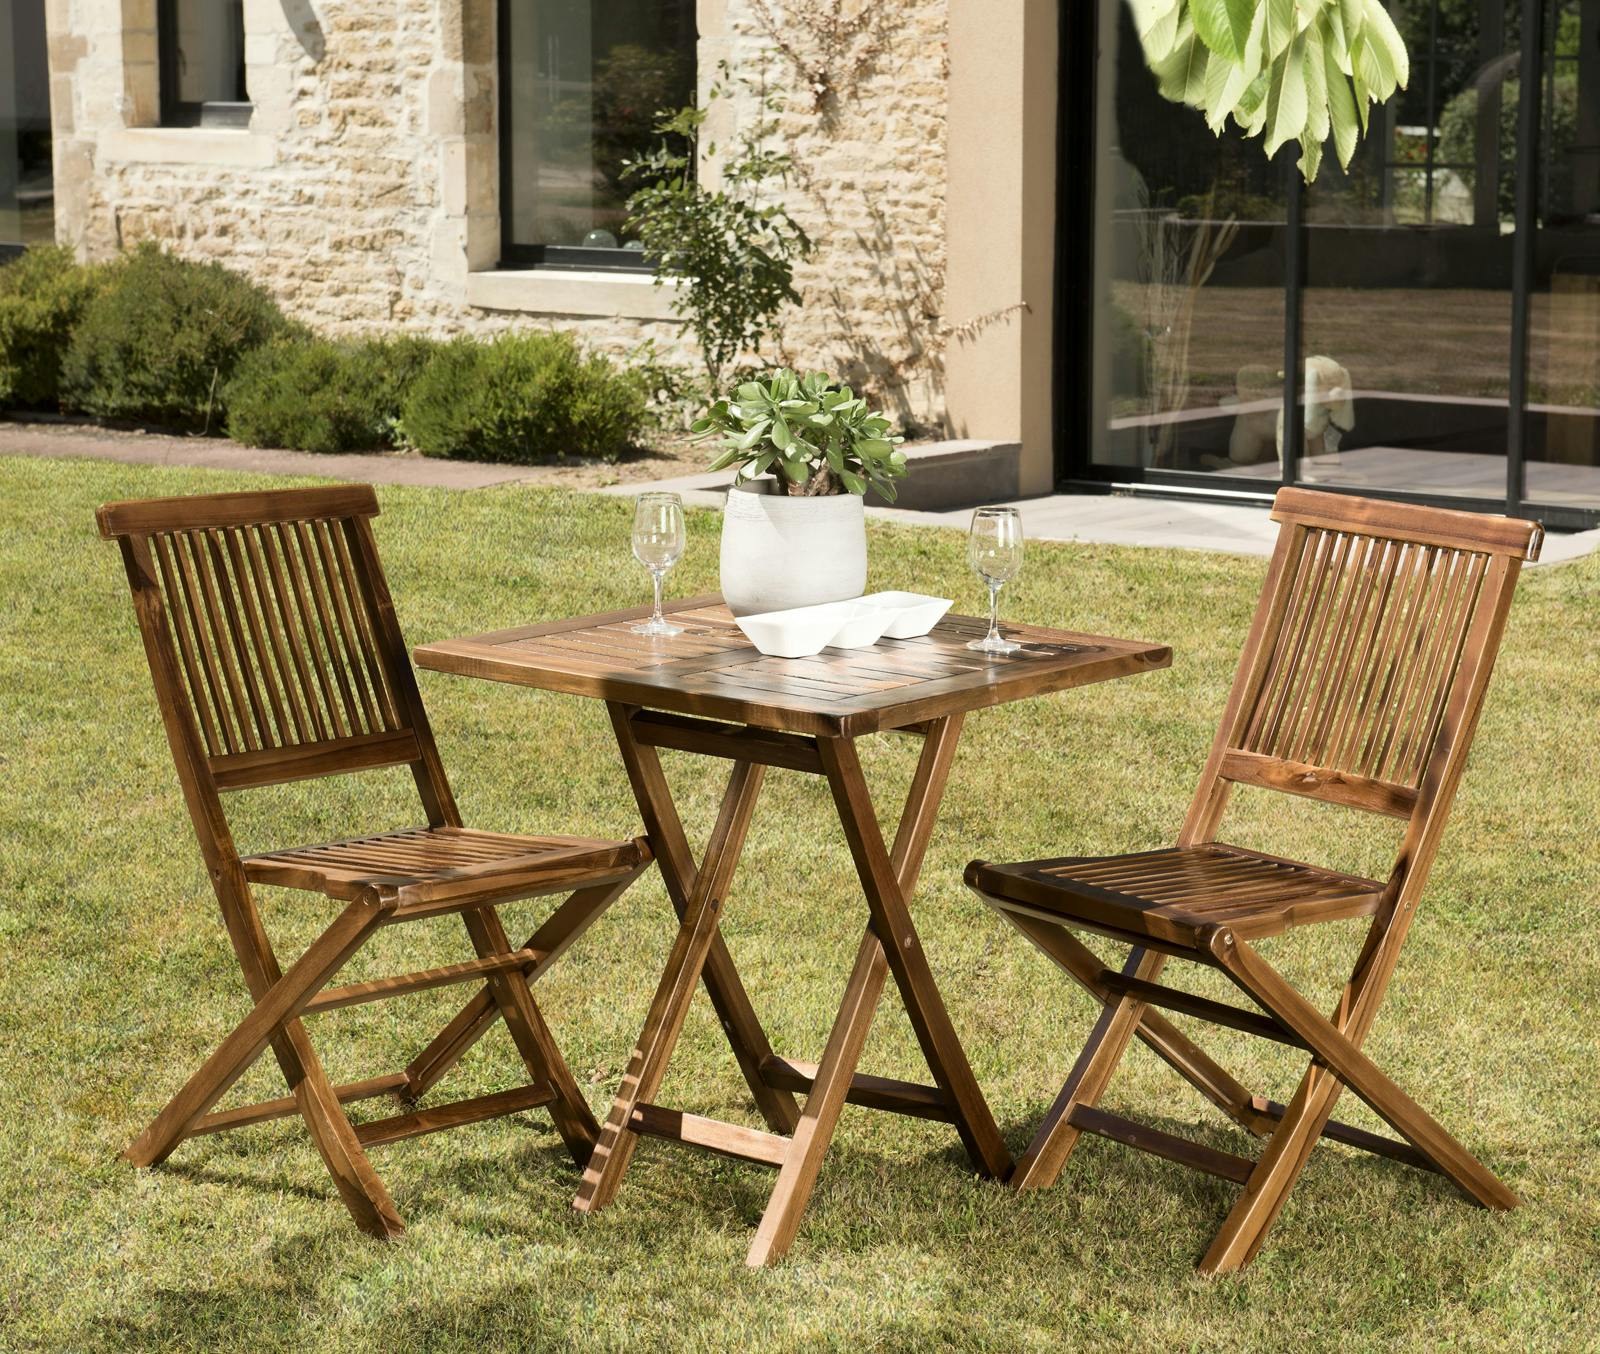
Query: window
(1433,312)
(27,214)
(202,64)
(581,83)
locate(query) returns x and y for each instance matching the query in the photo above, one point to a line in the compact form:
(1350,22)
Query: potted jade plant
(807,448)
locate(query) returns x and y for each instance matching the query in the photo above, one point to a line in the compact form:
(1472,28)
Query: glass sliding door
(1562,440)
(27,196)
(1432,313)
(1408,270)
(1188,289)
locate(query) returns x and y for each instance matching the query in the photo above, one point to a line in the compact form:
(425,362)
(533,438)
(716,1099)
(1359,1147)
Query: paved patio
(1221,524)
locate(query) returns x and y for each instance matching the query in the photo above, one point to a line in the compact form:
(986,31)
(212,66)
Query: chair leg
(278,1002)
(1337,1046)
(559,931)
(279,999)
(358,1184)
(570,1111)
(1159,1034)
(1040,1166)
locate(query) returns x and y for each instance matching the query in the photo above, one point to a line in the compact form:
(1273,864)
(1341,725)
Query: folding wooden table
(708,691)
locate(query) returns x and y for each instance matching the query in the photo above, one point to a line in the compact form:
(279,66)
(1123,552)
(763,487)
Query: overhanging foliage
(1286,70)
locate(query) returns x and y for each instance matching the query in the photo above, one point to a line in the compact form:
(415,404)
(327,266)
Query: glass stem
(994,612)
(656,617)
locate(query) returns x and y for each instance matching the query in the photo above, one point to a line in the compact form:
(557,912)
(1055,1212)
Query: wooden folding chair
(1361,684)
(276,657)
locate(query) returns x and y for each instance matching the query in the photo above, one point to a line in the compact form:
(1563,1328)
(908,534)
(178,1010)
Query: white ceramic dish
(914,613)
(801,631)
(863,625)
(797,632)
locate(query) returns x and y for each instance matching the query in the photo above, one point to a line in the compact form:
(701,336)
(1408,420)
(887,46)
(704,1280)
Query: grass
(116,979)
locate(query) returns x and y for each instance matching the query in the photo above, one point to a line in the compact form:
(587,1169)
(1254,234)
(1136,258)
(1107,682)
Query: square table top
(712,670)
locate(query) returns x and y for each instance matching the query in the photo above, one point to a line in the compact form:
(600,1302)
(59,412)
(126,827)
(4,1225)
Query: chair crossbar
(380,989)
(1337,1131)
(713,1135)
(1169,1146)
(285,1107)
(458,1112)
(1202,1008)
(911,1098)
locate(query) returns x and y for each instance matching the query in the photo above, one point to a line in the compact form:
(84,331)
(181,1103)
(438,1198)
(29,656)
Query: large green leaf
(1317,117)
(1286,99)
(1280,27)
(1158,27)
(1181,74)
(1342,113)
(1381,32)
(1223,25)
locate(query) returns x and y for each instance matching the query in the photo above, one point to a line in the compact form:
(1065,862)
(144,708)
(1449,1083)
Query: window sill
(223,147)
(552,291)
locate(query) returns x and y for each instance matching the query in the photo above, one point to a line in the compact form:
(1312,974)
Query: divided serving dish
(802,631)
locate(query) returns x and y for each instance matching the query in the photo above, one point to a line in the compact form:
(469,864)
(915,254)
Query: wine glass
(658,545)
(994,549)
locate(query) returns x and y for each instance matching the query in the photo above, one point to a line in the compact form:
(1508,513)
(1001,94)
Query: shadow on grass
(574,1281)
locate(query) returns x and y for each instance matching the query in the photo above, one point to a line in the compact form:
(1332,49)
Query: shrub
(42,295)
(522,398)
(315,395)
(161,340)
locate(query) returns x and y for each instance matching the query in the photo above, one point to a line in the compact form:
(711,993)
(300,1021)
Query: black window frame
(176,112)
(551,257)
(1072,417)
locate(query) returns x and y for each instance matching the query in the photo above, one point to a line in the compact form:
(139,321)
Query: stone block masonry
(364,193)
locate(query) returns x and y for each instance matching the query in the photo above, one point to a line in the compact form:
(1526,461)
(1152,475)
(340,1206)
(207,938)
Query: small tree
(731,251)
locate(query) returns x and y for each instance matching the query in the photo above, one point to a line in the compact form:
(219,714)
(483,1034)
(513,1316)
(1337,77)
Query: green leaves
(1284,70)
(815,434)
(731,249)
(1224,25)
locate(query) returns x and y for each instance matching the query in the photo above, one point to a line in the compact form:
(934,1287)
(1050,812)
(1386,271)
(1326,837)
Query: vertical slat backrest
(1372,619)
(279,645)
(275,637)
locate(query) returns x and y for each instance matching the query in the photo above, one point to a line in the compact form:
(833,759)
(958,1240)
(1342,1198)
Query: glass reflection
(1409,266)
(1563,424)
(1189,313)
(27,194)
(586,81)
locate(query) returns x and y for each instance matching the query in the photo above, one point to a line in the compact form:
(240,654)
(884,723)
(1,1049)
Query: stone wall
(365,192)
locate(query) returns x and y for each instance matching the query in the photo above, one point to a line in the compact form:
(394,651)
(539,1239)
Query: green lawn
(116,979)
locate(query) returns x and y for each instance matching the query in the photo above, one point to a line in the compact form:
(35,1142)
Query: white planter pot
(780,551)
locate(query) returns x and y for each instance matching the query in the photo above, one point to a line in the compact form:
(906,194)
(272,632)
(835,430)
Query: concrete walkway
(1222,525)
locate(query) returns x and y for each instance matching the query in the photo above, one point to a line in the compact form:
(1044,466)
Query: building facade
(1017,239)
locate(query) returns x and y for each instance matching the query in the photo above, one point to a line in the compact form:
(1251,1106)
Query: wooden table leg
(671,850)
(900,868)
(690,952)
(892,921)
(781,1219)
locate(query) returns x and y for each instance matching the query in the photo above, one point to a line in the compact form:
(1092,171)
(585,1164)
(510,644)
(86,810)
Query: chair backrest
(1368,658)
(272,641)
